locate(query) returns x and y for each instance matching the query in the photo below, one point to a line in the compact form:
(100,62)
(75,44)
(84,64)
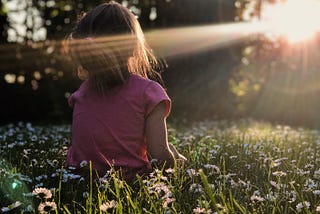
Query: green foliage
(234,167)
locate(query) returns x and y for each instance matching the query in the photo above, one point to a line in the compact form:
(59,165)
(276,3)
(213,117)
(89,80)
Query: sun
(296,20)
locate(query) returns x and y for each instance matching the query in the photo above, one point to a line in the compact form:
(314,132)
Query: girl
(119,114)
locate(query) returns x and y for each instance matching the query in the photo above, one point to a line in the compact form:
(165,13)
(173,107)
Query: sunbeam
(184,40)
(164,42)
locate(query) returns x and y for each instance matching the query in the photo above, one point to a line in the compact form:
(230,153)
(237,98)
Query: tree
(3,24)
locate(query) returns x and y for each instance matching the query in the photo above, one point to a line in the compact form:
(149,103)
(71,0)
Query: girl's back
(109,130)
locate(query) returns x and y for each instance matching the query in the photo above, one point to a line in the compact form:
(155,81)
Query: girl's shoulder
(141,82)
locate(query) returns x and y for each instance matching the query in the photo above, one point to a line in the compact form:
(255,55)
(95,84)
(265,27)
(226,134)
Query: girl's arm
(156,136)
(179,157)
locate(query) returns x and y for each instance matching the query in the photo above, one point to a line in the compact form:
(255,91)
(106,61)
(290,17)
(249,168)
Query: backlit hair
(109,43)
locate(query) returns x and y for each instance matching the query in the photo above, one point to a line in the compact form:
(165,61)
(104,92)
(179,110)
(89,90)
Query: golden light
(296,20)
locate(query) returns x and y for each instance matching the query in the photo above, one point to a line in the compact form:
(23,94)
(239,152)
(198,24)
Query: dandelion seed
(47,207)
(108,205)
(42,193)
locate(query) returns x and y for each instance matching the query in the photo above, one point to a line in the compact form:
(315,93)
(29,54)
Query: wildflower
(167,201)
(83,163)
(220,207)
(38,185)
(11,207)
(199,210)
(108,205)
(71,168)
(85,194)
(202,210)
(271,197)
(275,185)
(196,188)
(158,188)
(256,198)
(279,173)
(119,182)
(42,193)
(310,184)
(309,166)
(169,170)
(316,192)
(47,207)
(191,172)
(318,209)
(215,169)
(292,196)
(301,205)
(316,174)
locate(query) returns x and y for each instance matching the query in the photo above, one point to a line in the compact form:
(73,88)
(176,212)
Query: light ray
(186,40)
(171,42)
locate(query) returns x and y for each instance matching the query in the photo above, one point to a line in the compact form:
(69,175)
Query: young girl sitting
(119,114)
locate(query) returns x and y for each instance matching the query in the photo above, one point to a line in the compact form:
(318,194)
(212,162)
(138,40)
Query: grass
(234,167)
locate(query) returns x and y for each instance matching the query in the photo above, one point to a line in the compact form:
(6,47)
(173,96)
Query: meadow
(241,166)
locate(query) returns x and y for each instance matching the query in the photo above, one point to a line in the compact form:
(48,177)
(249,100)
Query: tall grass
(234,167)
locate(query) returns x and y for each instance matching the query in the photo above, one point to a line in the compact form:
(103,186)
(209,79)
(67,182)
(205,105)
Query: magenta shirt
(110,129)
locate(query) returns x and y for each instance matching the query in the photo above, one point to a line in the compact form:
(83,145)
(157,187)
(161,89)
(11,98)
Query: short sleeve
(155,94)
(71,101)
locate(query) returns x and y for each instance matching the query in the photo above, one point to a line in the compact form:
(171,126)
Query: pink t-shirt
(110,129)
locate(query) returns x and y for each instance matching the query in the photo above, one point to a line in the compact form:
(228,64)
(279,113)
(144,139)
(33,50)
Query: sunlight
(185,40)
(296,20)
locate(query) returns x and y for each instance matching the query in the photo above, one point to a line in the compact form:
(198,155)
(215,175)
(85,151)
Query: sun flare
(296,20)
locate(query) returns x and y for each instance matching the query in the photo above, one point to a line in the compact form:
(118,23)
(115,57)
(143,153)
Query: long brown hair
(109,43)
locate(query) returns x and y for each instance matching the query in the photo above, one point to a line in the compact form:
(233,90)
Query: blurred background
(226,58)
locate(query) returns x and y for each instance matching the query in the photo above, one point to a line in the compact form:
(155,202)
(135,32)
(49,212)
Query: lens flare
(296,20)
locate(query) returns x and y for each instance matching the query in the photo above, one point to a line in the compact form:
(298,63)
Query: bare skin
(157,140)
